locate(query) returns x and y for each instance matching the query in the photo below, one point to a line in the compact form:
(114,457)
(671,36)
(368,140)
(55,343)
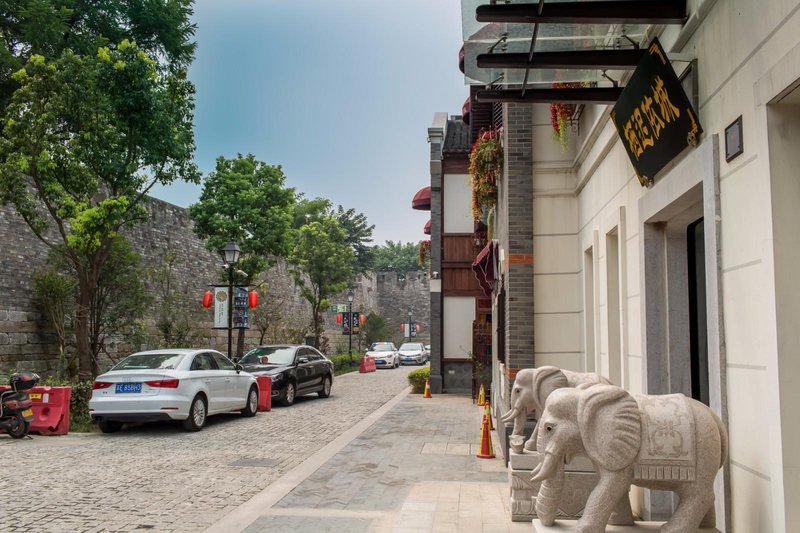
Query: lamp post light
(230,254)
(350,297)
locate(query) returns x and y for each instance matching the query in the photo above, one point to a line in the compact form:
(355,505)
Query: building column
(516,205)
(436,136)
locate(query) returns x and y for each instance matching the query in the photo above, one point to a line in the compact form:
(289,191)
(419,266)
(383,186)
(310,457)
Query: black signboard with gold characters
(653,115)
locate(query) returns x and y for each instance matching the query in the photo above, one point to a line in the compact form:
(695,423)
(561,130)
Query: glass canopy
(503,38)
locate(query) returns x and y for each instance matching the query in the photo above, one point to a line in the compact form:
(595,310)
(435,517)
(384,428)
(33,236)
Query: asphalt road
(157,477)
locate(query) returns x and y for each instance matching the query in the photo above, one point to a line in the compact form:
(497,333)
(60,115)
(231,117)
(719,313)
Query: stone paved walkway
(413,470)
(159,478)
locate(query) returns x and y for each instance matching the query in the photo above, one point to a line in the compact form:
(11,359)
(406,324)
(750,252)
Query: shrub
(416,379)
(343,364)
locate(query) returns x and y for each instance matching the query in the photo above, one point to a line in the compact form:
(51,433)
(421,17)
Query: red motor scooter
(16,411)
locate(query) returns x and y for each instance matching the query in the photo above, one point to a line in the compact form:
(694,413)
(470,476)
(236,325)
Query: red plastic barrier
(50,410)
(264,393)
(367,365)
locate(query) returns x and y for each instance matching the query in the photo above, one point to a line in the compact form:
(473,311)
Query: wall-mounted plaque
(653,115)
(734,143)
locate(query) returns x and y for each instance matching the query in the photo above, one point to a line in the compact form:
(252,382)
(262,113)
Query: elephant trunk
(518,416)
(549,495)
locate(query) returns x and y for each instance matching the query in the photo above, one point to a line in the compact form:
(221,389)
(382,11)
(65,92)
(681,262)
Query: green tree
(120,299)
(359,236)
(323,265)
(376,329)
(162,28)
(397,257)
(84,139)
(244,200)
(55,293)
(309,210)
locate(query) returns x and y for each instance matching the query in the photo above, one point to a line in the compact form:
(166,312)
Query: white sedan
(175,384)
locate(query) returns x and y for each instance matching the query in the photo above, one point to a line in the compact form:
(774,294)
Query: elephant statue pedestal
(579,480)
(563,526)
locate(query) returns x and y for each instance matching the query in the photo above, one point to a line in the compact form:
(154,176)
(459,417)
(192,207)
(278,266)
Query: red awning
(422,200)
(427,229)
(485,268)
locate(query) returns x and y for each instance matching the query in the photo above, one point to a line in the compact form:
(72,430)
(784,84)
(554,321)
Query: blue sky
(339,93)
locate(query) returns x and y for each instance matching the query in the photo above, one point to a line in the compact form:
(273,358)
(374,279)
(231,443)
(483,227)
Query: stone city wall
(27,340)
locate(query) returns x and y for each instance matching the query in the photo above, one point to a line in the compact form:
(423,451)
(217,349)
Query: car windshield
(381,348)
(149,361)
(276,355)
(410,346)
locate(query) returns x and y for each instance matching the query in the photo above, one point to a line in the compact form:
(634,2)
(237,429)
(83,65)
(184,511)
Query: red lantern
(417,326)
(338,318)
(362,319)
(402,327)
(208,299)
(252,299)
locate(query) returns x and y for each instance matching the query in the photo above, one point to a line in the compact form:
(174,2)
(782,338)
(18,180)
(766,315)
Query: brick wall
(28,342)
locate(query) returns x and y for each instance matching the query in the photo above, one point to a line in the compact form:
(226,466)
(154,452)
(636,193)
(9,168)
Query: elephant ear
(610,425)
(546,379)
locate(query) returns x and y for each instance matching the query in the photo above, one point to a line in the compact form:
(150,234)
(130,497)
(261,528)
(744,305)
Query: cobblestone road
(157,477)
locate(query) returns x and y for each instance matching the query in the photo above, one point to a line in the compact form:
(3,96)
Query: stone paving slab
(156,477)
(413,470)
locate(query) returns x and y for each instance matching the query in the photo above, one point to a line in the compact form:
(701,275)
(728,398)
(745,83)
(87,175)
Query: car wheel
(18,427)
(326,388)
(109,426)
(289,394)
(252,403)
(197,415)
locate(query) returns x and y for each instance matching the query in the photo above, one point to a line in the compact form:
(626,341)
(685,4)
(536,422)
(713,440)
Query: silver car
(413,352)
(175,384)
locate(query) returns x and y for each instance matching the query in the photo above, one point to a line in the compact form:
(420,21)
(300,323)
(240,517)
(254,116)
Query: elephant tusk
(510,415)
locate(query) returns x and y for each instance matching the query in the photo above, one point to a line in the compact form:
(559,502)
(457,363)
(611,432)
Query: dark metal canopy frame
(580,12)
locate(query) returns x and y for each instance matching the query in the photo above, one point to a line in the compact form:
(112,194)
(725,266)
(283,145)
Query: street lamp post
(409,325)
(230,254)
(350,297)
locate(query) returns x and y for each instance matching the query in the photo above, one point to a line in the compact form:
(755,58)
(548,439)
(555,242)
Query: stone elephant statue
(667,442)
(531,388)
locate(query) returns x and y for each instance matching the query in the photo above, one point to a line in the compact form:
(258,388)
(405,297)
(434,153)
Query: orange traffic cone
(427,388)
(482,396)
(488,416)
(486,451)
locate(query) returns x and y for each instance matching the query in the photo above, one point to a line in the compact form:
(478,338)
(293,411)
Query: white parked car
(385,354)
(175,384)
(413,352)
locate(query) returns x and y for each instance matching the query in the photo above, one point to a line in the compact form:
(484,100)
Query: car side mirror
(303,360)
(238,367)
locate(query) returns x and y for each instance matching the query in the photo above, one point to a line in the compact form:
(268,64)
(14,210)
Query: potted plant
(485,167)
(561,114)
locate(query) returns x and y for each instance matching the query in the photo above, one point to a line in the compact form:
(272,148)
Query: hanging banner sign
(653,115)
(240,308)
(221,301)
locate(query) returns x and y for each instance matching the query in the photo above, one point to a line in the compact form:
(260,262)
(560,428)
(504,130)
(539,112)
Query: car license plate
(128,387)
(27,412)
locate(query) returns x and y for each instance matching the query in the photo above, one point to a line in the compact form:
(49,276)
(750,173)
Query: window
(203,361)
(223,363)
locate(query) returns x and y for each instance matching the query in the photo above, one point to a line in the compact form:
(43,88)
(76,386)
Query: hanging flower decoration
(485,167)
(560,114)
(424,253)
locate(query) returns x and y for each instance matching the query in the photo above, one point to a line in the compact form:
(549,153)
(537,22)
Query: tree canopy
(84,138)
(397,257)
(245,200)
(162,29)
